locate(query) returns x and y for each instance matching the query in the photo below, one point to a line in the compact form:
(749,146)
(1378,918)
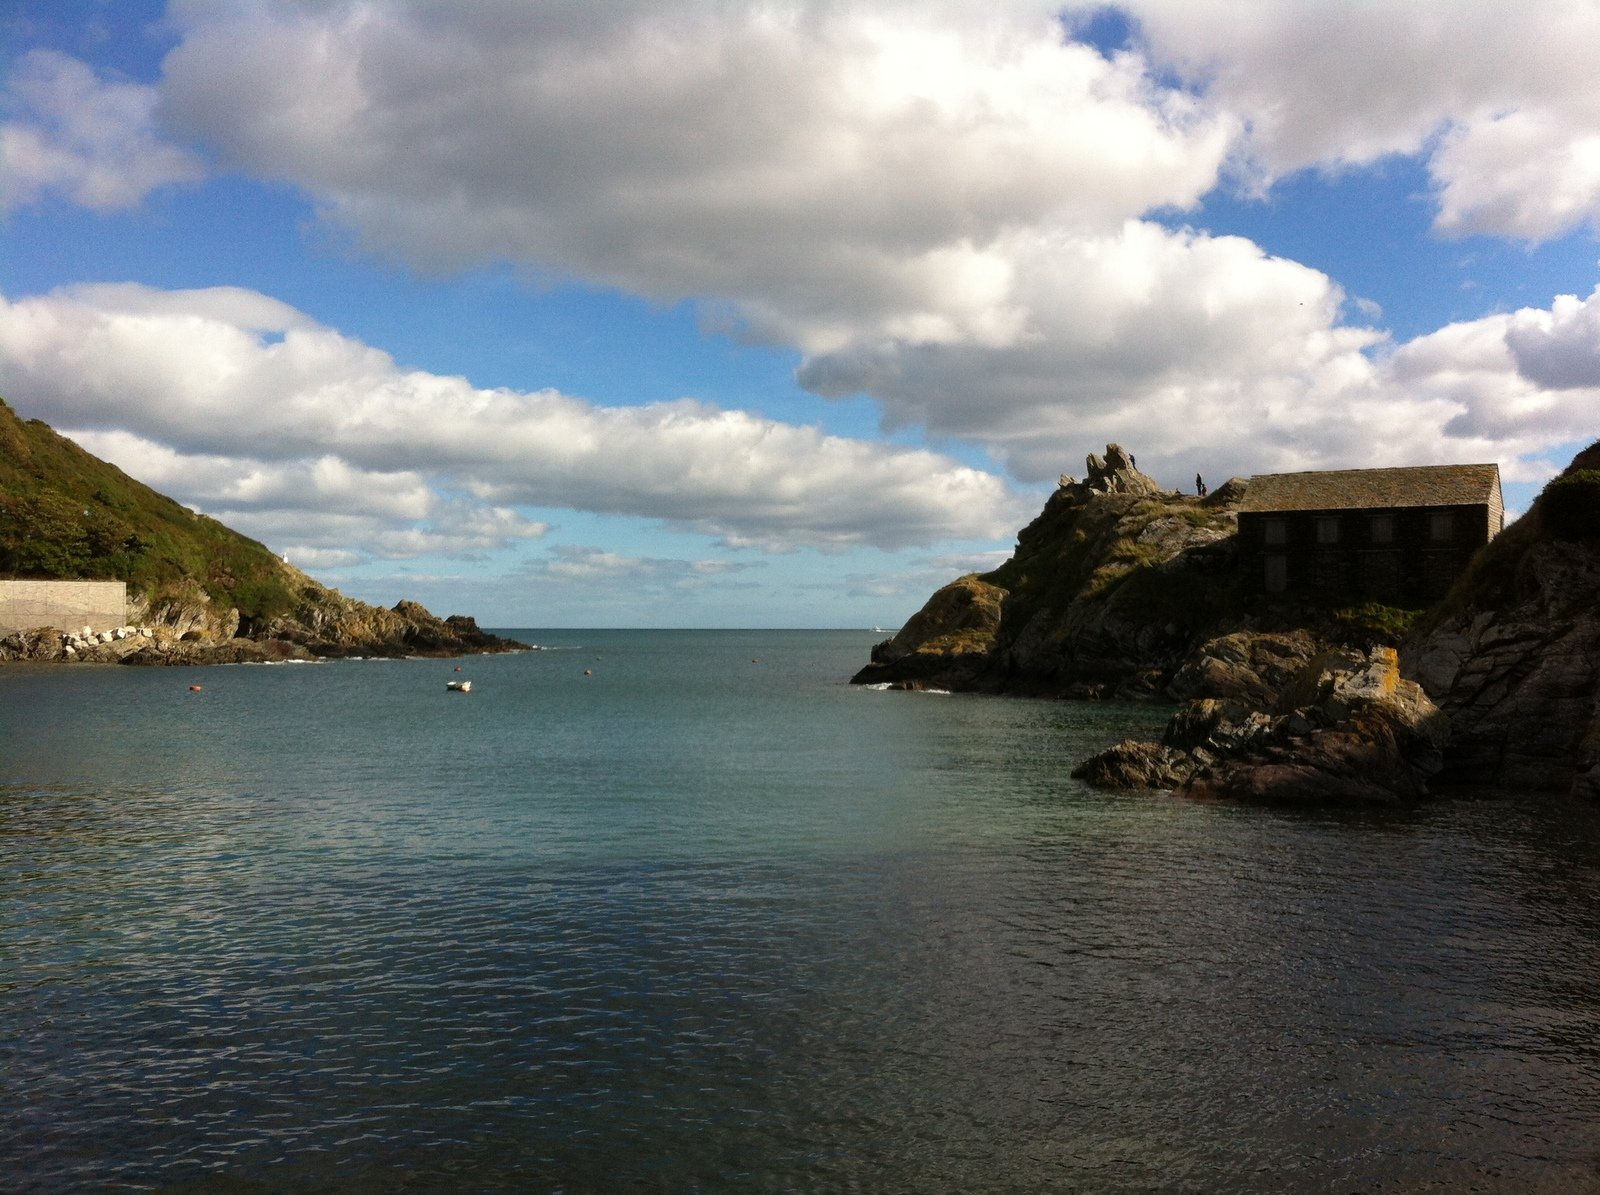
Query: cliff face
(1109,590)
(1512,655)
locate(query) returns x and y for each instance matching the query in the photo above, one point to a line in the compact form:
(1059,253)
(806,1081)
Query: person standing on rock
(1199,485)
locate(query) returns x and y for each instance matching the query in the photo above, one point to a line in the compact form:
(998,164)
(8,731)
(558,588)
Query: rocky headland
(198,592)
(1108,593)
(1121,590)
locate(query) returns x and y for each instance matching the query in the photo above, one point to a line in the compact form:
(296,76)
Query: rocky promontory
(1121,590)
(1346,727)
(1109,590)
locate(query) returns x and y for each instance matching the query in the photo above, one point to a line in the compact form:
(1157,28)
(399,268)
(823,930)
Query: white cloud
(1499,95)
(246,405)
(1519,384)
(829,170)
(943,206)
(939,205)
(1558,349)
(91,140)
(1533,175)
(315,509)
(1168,340)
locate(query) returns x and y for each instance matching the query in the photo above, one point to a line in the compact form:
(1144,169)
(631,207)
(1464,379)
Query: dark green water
(698,922)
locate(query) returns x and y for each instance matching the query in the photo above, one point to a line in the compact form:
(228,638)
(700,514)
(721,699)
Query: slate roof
(1370,489)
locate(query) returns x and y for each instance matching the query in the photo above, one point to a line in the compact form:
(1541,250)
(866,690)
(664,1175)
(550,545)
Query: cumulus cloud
(315,509)
(827,169)
(1518,384)
(92,140)
(1175,335)
(941,206)
(945,207)
(246,405)
(1498,95)
(1558,349)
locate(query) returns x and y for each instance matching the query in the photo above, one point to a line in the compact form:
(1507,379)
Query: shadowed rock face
(1513,654)
(1345,728)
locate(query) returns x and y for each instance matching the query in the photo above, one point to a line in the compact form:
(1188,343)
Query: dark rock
(1513,654)
(1345,728)
(1195,723)
(1247,666)
(1115,474)
(1132,764)
(946,643)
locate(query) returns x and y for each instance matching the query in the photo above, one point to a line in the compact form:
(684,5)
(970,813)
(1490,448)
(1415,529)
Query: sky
(709,313)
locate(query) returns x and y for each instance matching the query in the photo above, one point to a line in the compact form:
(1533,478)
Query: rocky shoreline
(1344,728)
(405,631)
(1119,590)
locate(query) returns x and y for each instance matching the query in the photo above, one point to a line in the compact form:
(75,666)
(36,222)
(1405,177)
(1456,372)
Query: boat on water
(458,686)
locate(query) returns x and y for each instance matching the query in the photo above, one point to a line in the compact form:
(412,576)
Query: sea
(684,911)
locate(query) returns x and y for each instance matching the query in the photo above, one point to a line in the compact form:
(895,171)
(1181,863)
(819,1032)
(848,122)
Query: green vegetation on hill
(67,514)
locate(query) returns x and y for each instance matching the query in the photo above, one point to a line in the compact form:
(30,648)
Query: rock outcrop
(946,643)
(1512,655)
(1345,728)
(1108,591)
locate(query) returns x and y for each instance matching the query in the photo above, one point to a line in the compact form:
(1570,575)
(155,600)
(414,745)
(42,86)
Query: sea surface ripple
(709,919)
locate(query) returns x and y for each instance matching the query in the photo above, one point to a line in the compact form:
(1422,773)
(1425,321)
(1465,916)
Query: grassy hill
(67,514)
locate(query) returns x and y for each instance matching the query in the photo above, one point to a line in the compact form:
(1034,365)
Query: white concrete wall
(70,605)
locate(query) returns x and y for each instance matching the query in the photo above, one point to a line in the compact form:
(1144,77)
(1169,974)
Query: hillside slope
(66,514)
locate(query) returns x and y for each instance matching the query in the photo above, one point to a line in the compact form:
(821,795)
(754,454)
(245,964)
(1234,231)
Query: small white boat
(458,686)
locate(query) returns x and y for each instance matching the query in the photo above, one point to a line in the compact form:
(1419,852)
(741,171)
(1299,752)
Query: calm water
(697,922)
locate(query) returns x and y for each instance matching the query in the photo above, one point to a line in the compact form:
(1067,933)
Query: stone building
(1398,536)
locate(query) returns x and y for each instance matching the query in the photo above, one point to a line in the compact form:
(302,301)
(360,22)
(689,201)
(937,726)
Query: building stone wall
(70,605)
(1406,556)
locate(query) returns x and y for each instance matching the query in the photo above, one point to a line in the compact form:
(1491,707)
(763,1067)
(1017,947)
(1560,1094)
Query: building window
(1382,528)
(1276,531)
(1328,530)
(1441,526)
(1277,573)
